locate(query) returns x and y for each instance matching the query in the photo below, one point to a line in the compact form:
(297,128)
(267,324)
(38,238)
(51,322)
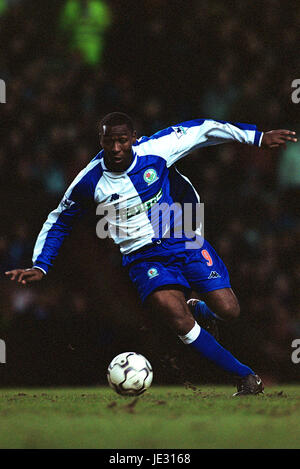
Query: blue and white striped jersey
(130,200)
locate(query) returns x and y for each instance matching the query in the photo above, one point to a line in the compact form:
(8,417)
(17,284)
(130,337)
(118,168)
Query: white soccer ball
(130,374)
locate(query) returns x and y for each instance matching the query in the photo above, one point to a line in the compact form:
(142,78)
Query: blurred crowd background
(68,63)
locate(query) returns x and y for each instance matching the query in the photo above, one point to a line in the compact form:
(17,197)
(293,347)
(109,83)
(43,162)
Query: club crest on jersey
(153,272)
(150,176)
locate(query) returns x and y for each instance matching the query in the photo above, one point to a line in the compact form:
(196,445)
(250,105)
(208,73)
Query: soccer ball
(129,374)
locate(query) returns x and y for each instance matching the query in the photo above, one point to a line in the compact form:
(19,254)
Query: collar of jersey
(120,174)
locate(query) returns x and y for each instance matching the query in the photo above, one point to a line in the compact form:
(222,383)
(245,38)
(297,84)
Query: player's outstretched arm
(276,138)
(25,276)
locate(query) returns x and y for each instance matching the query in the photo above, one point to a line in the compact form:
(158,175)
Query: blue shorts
(170,263)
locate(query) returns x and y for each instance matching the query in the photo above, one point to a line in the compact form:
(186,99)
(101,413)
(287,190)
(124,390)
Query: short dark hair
(116,118)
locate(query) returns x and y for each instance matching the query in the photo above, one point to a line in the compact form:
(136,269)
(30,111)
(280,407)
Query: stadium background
(162,62)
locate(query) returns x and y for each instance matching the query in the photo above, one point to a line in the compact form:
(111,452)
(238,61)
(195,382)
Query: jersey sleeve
(75,202)
(177,141)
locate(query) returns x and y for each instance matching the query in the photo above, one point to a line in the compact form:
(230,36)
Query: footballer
(131,179)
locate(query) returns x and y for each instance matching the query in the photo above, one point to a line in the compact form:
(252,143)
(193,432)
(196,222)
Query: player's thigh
(223,302)
(170,304)
(151,275)
(208,276)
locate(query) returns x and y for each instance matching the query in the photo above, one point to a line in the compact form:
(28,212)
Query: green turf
(164,417)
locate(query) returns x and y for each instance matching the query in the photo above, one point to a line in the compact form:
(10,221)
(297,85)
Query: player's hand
(25,276)
(276,138)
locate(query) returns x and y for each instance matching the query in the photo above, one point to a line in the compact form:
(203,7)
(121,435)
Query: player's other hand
(25,276)
(277,138)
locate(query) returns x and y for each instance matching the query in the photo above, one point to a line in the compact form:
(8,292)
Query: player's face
(117,144)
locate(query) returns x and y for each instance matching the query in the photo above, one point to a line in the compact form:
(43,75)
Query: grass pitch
(163,418)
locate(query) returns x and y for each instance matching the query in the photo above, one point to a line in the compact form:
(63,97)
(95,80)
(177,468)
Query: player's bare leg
(171,304)
(217,304)
(223,303)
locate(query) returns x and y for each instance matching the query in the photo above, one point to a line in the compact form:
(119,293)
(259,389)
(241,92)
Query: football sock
(204,343)
(201,309)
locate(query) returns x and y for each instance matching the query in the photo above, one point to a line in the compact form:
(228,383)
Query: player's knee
(230,309)
(235,310)
(173,308)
